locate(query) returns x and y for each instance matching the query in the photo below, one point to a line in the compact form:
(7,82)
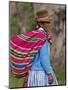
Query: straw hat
(42,16)
(43,19)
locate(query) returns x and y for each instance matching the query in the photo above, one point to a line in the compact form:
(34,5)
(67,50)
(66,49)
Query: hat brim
(42,20)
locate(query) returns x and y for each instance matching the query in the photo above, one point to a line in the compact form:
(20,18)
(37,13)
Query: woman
(42,73)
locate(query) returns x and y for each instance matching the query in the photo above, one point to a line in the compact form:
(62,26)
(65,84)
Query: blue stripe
(19,65)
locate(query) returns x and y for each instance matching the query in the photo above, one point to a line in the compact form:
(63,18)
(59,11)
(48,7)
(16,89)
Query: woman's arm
(45,58)
(45,61)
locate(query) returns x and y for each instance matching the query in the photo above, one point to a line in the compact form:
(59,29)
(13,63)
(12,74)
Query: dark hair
(37,25)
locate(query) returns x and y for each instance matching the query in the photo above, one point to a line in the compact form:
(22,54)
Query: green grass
(60,71)
(60,75)
(15,82)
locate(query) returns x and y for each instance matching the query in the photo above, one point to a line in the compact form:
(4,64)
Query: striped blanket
(23,49)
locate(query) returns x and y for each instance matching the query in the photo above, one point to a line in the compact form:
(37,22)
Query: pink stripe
(20,52)
(29,34)
(21,44)
(35,34)
(18,42)
(15,45)
(35,47)
(19,61)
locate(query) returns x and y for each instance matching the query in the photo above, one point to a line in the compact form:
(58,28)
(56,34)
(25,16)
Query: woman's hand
(50,78)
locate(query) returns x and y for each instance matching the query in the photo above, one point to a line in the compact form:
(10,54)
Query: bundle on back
(23,49)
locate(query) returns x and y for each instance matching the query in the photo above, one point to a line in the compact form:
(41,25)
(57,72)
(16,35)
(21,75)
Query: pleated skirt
(40,78)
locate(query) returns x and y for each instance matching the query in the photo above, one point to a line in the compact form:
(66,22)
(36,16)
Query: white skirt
(39,78)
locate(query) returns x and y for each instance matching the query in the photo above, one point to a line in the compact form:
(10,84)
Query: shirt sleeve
(45,58)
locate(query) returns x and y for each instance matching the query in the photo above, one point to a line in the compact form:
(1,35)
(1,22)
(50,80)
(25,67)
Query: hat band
(43,21)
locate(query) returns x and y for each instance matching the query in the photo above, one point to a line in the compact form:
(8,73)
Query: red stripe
(18,48)
(29,47)
(21,43)
(25,45)
(16,60)
(29,34)
(20,71)
(25,52)
(35,35)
